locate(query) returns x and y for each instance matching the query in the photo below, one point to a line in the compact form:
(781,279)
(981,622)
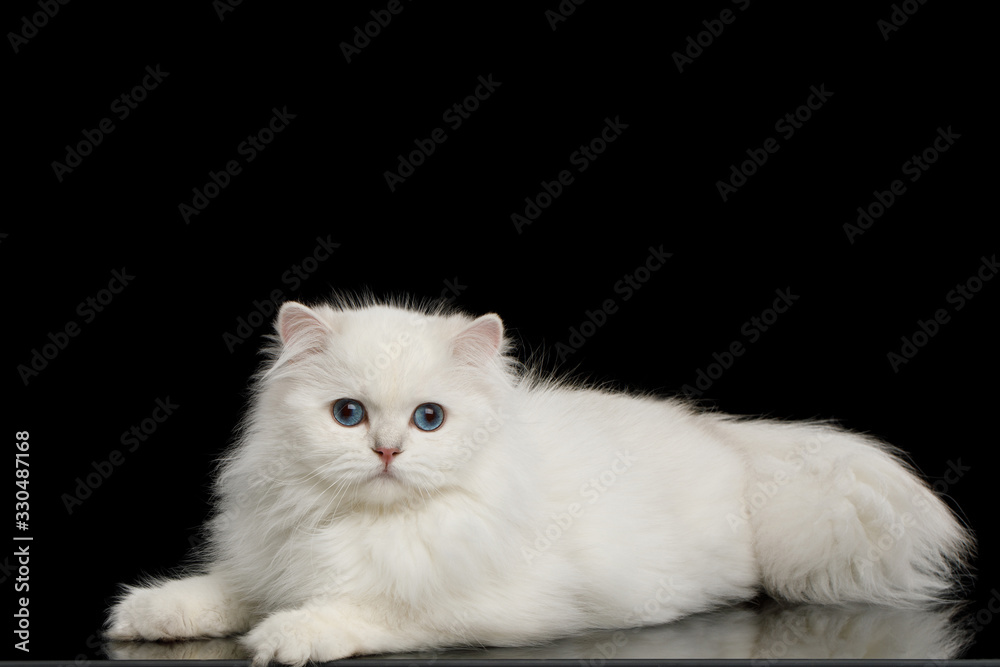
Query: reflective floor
(762,631)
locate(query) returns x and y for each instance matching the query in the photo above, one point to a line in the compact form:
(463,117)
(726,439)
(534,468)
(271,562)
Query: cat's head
(383,405)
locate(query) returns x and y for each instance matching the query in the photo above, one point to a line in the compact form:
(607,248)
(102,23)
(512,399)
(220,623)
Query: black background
(449,224)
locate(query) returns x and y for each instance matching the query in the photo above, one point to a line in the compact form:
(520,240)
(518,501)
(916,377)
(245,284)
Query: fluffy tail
(839,517)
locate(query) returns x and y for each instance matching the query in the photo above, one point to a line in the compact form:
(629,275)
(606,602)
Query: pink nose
(386,454)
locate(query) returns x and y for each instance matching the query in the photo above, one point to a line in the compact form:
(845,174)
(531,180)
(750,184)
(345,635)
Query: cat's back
(636,479)
(581,433)
(597,421)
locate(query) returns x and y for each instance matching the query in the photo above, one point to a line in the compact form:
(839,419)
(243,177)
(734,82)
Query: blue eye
(428,416)
(348,412)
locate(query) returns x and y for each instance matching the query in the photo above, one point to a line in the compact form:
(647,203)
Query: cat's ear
(480,341)
(300,328)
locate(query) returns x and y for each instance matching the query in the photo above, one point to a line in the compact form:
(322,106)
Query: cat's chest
(412,555)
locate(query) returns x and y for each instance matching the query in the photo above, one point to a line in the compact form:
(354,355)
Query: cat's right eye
(348,412)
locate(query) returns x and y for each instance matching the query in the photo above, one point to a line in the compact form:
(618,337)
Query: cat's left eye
(428,416)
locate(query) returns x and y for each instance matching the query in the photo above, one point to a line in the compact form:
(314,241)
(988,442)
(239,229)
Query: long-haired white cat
(401,483)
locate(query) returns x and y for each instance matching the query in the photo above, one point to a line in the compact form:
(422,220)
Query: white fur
(538,509)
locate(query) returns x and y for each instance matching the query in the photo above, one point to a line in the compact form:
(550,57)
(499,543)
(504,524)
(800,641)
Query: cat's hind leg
(178,609)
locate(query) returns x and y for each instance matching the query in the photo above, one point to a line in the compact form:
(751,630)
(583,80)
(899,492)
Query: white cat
(401,483)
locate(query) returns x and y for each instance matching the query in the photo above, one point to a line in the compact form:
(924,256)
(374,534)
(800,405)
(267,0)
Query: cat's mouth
(386,474)
(388,487)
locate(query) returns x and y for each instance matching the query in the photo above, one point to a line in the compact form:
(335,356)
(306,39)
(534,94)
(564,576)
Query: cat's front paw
(176,610)
(294,637)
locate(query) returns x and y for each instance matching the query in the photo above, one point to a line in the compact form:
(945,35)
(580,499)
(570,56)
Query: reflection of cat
(772,631)
(399,485)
